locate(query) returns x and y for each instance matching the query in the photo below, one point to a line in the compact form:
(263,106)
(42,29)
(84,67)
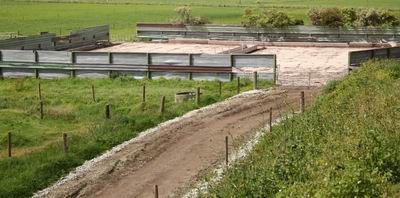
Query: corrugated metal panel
(261,76)
(357,57)
(211,76)
(253,61)
(54,73)
(395,52)
(129,58)
(213,60)
(18,56)
(77,38)
(54,57)
(170,59)
(169,75)
(91,74)
(100,64)
(293,33)
(18,72)
(92,58)
(32,42)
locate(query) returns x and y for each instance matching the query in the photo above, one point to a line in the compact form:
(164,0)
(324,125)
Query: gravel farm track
(176,154)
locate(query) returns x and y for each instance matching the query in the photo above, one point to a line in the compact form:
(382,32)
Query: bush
(263,18)
(331,17)
(376,18)
(350,17)
(185,16)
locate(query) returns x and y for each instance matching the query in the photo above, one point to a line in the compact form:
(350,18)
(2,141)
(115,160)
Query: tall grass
(68,108)
(345,145)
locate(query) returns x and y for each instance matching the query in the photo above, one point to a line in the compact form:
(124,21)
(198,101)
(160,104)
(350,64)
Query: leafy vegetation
(264,18)
(351,17)
(345,145)
(186,17)
(34,16)
(38,157)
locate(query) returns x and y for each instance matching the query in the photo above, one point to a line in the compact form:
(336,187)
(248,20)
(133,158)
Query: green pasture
(37,150)
(29,18)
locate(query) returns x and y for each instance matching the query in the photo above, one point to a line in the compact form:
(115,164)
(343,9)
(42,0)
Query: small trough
(184,96)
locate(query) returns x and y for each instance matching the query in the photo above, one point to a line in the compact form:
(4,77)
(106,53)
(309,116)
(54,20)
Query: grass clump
(38,157)
(345,145)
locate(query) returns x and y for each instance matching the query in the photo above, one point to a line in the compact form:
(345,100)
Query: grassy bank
(32,17)
(345,145)
(38,157)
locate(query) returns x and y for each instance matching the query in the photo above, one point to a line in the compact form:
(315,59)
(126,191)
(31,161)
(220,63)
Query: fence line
(57,64)
(49,41)
(289,34)
(358,57)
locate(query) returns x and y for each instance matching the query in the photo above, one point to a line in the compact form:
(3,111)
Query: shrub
(185,16)
(376,18)
(335,17)
(331,17)
(263,18)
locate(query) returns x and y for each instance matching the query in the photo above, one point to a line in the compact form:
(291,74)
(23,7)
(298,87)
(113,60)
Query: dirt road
(176,154)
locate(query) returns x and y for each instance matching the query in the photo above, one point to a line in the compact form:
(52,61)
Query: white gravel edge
(87,165)
(218,172)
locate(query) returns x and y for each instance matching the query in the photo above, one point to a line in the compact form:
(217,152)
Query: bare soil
(177,154)
(297,66)
(309,66)
(167,48)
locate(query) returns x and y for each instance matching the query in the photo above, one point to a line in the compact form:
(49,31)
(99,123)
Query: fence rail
(289,34)
(358,57)
(49,41)
(54,64)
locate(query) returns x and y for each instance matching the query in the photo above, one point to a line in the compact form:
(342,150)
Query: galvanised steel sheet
(18,56)
(250,60)
(54,57)
(212,60)
(129,58)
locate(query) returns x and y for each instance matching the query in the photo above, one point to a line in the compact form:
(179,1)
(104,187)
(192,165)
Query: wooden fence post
(270,119)
(41,110)
(156,191)
(1,69)
(238,85)
(40,91)
(65,141)
(198,95)
(220,88)
(108,111)
(255,80)
(162,104)
(143,96)
(36,73)
(9,144)
(73,73)
(302,102)
(226,151)
(93,94)
(275,74)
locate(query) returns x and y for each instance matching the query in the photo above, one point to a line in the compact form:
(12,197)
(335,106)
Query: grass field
(33,17)
(345,145)
(68,108)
